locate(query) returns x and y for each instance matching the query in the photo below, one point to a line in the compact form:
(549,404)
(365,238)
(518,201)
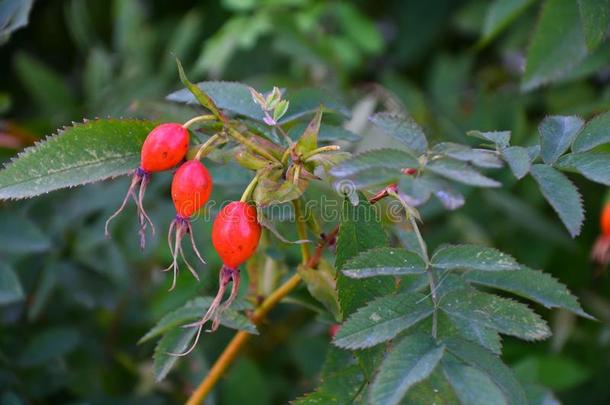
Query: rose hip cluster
(235,232)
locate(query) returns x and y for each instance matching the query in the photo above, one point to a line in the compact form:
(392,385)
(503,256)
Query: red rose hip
(164,147)
(235,233)
(191,189)
(235,236)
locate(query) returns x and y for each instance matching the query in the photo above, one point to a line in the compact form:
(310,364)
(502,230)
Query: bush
(409,165)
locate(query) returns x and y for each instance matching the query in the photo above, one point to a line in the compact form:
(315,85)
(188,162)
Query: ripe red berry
(235,236)
(235,233)
(164,147)
(191,188)
(409,171)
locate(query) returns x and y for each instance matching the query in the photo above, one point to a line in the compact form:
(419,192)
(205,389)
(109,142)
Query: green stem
(286,155)
(248,191)
(429,270)
(203,149)
(329,148)
(199,118)
(251,145)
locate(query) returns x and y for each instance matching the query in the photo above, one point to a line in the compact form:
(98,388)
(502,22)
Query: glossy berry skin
(191,188)
(165,146)
(235,233)
(605,219)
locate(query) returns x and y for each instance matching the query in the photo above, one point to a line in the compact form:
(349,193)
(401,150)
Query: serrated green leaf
(84,153)
(382,319)
(504,315)
(479,157)
(471,385)
(461,172)
(47,345)
(500,13)
(499,138)
(402,128)
(472,331)
(308,141)
(531,284)
(192,311)
(360,230)
(562,195)
(596,132)
(593,165)
(557,45)
(556,135)
(491,365)
(595,17)
(373,160)
(472,257)
(10,287)
(410,361)
(175,341)
(384,261)
(518,160)
(236,98)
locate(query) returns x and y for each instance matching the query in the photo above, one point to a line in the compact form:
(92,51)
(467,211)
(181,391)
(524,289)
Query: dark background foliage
(71,326)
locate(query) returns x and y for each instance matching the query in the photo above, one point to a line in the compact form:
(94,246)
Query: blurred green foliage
(77,303)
